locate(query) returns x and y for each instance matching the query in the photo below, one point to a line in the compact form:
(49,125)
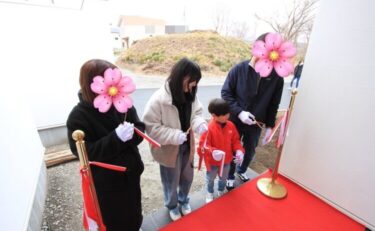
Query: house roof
(139,20)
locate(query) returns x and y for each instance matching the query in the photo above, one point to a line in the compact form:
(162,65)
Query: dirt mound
(214,53)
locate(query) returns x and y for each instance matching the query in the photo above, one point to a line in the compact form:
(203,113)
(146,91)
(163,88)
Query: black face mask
(190,96)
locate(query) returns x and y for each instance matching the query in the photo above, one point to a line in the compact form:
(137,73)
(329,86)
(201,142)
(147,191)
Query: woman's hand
(182,137)
(125,131)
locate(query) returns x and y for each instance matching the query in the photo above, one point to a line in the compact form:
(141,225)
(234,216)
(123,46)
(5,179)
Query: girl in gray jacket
(171,115)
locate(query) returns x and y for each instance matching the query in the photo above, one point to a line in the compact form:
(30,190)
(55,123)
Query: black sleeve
(132,117)
(106,147)
(228,91)
(274,103)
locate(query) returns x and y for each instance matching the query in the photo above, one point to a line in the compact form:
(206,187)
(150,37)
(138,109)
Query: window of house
(150,29)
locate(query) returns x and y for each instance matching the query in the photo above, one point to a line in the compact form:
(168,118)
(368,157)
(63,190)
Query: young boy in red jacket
(218,146)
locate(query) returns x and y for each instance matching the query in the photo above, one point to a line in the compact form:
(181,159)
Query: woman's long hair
(184,68)
(89,70)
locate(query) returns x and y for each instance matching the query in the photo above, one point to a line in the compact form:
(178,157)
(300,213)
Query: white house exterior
(133,28)
(116,38)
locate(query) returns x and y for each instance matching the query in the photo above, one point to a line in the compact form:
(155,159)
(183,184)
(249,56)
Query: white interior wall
(42,49)
(21,156)
(330,146)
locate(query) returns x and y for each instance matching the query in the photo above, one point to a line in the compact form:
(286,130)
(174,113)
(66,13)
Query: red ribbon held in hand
(146,137)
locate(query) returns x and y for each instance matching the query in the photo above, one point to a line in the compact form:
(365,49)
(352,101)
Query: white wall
(21,154)
(159,30)
(330,147)
(116,41)
(43,49)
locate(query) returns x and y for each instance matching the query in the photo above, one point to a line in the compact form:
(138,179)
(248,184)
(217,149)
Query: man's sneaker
(175,214)
(185,209)
(209,197)
(230,184)
(220,193)
(243,176)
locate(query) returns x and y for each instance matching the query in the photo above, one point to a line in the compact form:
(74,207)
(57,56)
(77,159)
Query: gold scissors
(260,124)
(188,130)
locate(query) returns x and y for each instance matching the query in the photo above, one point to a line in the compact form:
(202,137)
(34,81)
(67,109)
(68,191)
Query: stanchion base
(272,189)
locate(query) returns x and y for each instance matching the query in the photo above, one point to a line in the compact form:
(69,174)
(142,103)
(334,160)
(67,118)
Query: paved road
(205,94)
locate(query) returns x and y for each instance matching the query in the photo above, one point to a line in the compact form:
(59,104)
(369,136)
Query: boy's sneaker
(220,193)
(185,209)
(175,214)
(243,176)
(230,184)
(209,197)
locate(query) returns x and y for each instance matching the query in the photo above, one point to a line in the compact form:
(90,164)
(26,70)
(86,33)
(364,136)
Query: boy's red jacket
(221,138)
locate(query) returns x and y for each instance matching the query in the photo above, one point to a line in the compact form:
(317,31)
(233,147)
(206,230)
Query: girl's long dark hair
(183,68)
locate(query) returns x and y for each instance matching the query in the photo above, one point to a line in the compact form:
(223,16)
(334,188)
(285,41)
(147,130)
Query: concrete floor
(160,218)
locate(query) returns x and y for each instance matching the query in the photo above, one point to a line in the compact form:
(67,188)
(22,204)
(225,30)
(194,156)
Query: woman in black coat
(111,140)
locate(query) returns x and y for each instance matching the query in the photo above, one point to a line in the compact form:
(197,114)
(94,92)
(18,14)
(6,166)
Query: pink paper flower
(274,53)
(113,88)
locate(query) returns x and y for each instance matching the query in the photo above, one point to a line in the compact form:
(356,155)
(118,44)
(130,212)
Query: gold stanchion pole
(270,186)
(79,136)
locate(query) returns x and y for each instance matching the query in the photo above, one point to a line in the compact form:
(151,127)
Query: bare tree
(225,25)
(240,30)
(299,20)
(221,21)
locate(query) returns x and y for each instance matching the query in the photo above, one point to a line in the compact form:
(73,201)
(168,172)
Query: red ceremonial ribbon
(146,137)
(108,166)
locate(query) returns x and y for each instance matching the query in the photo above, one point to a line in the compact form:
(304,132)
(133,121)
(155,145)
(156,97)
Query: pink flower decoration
(113,88)
(274,53)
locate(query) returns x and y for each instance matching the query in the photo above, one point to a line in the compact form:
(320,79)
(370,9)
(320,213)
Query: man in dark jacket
(297,74)
(253,101)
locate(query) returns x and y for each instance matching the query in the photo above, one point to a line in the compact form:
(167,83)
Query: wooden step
(58,157)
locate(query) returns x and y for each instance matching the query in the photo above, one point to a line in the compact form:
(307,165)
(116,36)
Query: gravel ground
(63,208)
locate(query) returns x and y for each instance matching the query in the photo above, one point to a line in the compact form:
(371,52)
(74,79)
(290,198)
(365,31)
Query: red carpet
(245,208)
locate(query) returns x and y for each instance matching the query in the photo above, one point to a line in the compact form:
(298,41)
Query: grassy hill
(156,55)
